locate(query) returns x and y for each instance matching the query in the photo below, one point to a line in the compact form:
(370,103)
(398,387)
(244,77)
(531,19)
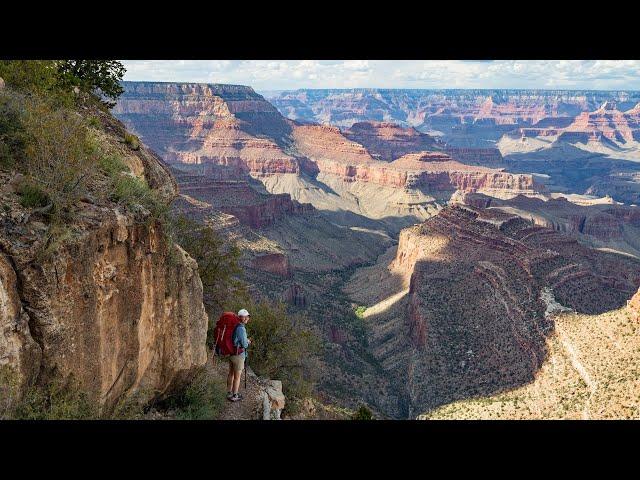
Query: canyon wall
(474,308)
(440,109)
(225,127)
(110,303)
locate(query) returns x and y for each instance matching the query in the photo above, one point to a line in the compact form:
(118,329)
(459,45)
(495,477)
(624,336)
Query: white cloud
(291,74)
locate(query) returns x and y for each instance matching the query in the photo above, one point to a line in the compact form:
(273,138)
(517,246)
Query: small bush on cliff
(284,347)
(132,141)
(134,193)
(363,413)
(58,400)
(112,165)
(50,146)
(8,391)
(360,311)
(12,135)
(32,196)
(58,154)
(202,399)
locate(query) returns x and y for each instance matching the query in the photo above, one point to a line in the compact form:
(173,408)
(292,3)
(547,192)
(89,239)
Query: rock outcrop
(605,123)
(275,263)
(389,141)
(473,309)
(112,304)
(596,222)
(238,198)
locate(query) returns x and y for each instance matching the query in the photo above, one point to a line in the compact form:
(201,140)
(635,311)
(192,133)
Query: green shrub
(39,77)
(94,122)
(56,79)
(135,194)
(360,311)
(32,196)
(363,413)
(57,155)
(202,399)
(12,135)
(132,141)
(112,165)
(129,408)
(58,400)
(100,78)
(8,391)
(218,266)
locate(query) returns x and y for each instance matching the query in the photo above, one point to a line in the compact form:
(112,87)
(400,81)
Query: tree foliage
(56,79)
(218,263)
(100,77)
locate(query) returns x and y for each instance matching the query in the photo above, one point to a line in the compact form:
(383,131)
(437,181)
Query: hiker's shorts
(237,362)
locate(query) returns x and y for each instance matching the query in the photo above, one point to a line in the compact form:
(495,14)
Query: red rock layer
(238,198)
(329,152)
(607,122)
(388,141)
(233,127)
(202,123)
(275,263)
(486,157)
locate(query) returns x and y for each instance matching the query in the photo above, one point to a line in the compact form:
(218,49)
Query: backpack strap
(239,349)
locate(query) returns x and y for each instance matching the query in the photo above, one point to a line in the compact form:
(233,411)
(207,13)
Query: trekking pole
(245,372)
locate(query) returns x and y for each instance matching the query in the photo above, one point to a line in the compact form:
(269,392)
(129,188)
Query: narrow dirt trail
(580,368)
(250,406)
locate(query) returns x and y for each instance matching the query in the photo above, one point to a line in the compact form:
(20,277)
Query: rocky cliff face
(473,307)
(238,198)
(607,122)
(388,141)
(565,216)
(234,128)
(114,304)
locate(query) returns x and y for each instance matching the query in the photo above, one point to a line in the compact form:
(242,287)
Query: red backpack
(223,334)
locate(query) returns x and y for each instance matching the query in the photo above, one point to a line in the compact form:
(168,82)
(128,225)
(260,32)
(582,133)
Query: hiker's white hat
(243,313)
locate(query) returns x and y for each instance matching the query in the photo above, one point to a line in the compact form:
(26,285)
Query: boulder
(273,400)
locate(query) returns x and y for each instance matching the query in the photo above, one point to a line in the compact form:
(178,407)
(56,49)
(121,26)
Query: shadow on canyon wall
(475,320)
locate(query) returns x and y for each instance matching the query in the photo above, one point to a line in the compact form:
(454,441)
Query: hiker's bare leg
(236,381)
(230,377)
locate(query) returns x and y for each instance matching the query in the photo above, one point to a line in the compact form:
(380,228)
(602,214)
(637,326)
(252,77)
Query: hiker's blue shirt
(240,338)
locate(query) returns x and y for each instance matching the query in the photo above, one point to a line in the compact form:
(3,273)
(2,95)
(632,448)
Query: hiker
(236,362)
(232,343)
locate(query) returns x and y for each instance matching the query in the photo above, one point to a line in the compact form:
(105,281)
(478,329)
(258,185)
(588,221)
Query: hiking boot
(236,397)
(229,395)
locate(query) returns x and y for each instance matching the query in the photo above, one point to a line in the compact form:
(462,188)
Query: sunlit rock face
(233,128)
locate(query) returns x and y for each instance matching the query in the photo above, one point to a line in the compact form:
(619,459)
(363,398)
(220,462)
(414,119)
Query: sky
(265,75)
